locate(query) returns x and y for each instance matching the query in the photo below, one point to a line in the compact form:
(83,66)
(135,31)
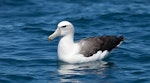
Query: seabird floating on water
(85,50)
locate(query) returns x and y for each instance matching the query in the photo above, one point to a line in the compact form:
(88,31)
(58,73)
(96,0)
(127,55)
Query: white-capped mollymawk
(85,50)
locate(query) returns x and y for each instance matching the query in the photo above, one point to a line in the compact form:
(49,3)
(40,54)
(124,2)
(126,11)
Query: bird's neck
(66,44)
(67,39)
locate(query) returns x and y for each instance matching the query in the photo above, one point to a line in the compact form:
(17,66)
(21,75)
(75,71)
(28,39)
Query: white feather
(68,51)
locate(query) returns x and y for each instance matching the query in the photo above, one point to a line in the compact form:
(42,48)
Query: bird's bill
(54,35)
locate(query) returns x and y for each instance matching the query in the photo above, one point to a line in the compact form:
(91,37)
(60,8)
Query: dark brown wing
(90,46)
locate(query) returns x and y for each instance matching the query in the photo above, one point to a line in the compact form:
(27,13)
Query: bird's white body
(68,51)
(71,52)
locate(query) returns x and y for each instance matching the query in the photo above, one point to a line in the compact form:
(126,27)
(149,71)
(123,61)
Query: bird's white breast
(67,49)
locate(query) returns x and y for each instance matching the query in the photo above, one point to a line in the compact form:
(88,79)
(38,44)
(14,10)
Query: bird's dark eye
(64,26)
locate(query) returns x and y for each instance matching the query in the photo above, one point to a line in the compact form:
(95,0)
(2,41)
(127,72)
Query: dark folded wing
(90,46)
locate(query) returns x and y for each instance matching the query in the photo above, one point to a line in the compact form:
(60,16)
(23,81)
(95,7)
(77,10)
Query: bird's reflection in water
(73,72)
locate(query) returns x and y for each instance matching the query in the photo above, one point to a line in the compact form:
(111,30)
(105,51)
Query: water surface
(26,56)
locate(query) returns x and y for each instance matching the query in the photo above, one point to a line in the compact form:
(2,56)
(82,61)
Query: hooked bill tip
(49,39)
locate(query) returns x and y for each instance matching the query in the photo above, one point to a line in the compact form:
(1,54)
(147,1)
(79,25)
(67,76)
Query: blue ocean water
(26,56)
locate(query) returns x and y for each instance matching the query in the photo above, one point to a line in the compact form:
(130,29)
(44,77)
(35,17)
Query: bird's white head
(63,28)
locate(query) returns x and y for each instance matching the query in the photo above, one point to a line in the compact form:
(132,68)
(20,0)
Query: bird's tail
(121,39)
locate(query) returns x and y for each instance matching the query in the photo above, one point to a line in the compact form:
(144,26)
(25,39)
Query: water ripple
(27,56)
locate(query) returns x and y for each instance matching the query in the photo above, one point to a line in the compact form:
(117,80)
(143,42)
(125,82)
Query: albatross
(85,50)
